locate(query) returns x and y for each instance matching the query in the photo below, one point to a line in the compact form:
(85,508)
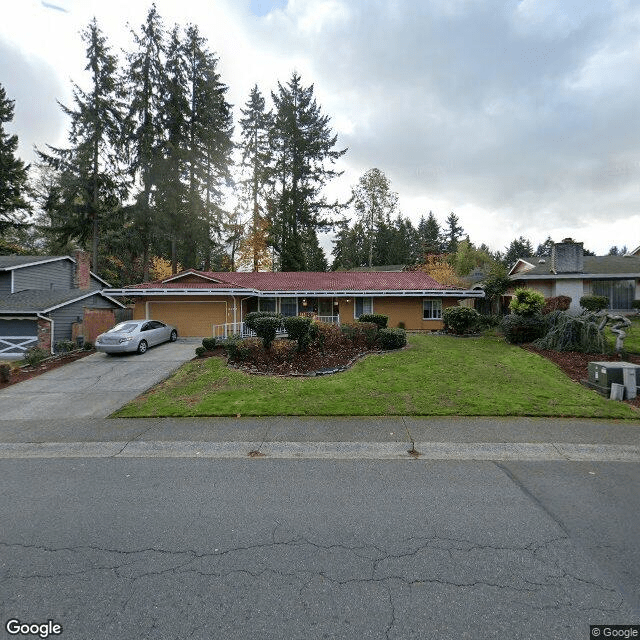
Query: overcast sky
(521,116)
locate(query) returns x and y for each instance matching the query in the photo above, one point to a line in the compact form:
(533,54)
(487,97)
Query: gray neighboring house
(570,273)
(41,297)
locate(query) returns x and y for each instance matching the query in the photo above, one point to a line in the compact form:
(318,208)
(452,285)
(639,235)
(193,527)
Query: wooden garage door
(193,319)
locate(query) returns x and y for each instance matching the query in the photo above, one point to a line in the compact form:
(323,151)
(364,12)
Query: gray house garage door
(16,336)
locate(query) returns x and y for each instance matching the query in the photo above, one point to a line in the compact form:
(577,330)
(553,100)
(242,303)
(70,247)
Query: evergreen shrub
(519,329)
(377,318)
(392,338)
(266,328)
(298,328)
(459,320)
(209,343)
(87,345)
(251,318)
(35,356)
(526,302)
(200,351)
(636,305)
(594,303)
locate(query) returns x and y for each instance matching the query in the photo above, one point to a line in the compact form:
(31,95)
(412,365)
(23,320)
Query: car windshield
(123,327)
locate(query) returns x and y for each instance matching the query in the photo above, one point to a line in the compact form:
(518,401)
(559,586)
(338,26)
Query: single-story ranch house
(570,273)
(201,303)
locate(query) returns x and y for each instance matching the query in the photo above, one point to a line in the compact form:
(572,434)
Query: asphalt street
(147,548)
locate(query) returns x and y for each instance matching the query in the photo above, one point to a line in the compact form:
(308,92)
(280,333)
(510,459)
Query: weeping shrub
(566,332)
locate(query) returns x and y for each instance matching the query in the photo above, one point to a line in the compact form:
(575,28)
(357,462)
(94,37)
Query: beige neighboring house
(568,272)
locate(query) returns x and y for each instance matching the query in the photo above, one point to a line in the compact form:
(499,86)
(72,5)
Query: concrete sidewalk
(455,438)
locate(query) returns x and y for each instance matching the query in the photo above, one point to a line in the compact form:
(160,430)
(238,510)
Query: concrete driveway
(94,386)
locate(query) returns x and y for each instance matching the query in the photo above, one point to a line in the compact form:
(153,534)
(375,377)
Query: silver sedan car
(135,335)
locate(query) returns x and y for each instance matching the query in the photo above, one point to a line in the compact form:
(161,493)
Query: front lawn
(632,340)
(436,375)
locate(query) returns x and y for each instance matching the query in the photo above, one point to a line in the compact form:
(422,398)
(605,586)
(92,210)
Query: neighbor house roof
(10,263)
(44,300)
(594,266)
(294,282)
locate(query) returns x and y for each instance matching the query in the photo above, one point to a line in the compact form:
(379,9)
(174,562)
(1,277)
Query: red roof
(300,281)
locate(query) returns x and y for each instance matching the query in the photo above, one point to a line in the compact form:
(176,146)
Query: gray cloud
(34,87)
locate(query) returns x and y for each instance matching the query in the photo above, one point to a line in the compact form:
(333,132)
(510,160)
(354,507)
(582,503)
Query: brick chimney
(567,257)
(82,276)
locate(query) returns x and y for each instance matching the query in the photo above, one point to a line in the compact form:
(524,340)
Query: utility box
(603,374)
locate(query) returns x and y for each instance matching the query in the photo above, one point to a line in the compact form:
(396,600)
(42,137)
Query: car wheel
(142,346)
(174,336)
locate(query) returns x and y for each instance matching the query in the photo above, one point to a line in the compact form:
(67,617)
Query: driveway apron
(94,386)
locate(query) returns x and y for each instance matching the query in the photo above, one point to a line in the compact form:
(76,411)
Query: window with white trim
(431,309)
(362,305)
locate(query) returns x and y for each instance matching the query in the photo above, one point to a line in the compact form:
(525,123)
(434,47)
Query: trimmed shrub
(251,318)
(526,302)
(377,318)
(459,320)
(557,303)
(392,338)
(35,356)
(5,372)
(636,305)
(594,303)
(200,351)
(519,329)
(266,328)
(209,343)
(239,349)
(64,346)
(566,332)
(362,334)
(87,345)
(327,336)
(298,328)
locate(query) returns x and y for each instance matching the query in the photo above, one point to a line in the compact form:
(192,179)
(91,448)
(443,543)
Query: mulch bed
(274,362)
(25,373)
(576,365)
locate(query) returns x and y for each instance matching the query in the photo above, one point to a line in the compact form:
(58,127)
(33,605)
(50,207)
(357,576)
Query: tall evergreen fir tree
(210,127)
(172,188)
(519,248)
(13,173)
(256,159)
(452,233)
(429,236)
(303,152)
(90,187)
(145,84)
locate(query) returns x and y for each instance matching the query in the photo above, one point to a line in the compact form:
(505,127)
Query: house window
(620,292)
(431,309)
(289,307)
(267,304)
(362,305)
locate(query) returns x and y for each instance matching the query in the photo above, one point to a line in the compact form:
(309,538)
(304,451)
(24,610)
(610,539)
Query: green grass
(436,376)
(632,340)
